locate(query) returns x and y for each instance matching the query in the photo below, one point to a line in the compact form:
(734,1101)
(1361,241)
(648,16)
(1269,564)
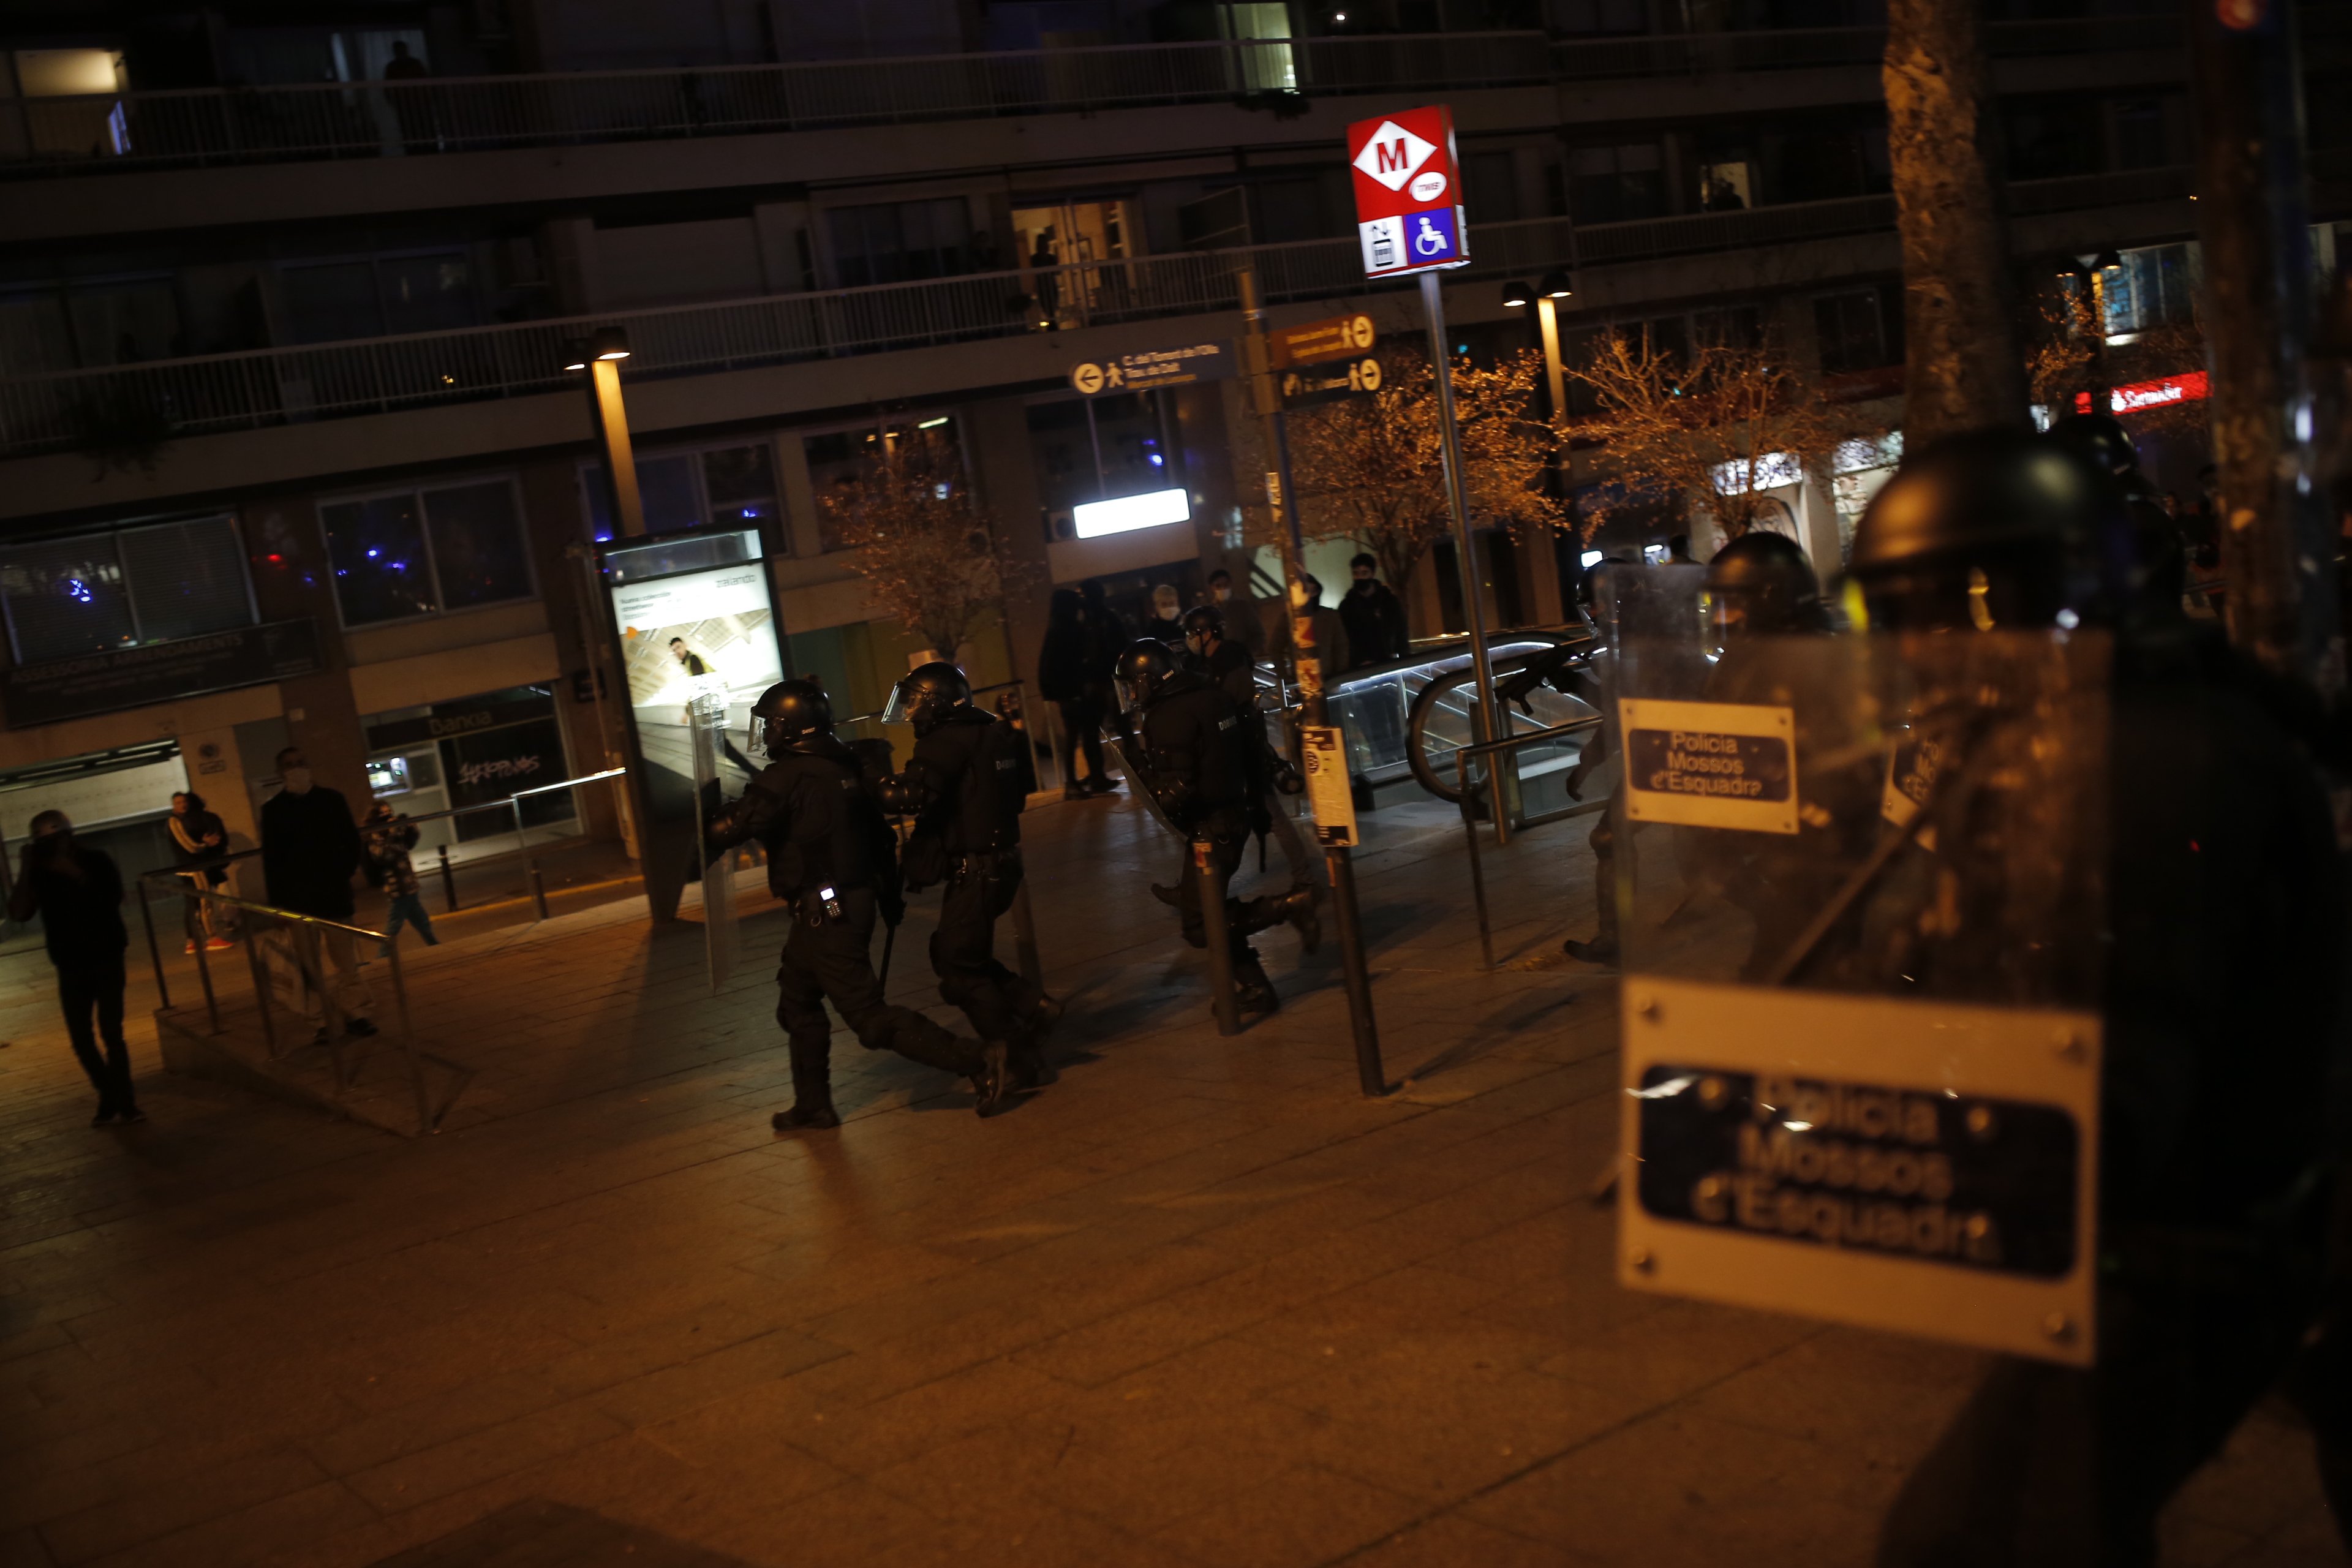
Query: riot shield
(723,939)
(1860,892)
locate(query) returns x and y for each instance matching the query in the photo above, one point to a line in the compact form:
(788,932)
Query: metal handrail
(322,120)
(1461,760)
(261,388)
(429,1114)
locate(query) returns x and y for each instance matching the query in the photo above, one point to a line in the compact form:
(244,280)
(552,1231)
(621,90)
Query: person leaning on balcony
(199,844)
(310,851)
(77,893)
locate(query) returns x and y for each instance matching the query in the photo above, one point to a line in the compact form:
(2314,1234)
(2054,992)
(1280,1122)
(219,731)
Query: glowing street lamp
(600,355)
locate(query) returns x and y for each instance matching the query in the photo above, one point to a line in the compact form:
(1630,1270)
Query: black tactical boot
(1252,991)
(992,1077)
(1299,908)
(812,1102)
(1044,1015)
(1165,895)
(1601,950)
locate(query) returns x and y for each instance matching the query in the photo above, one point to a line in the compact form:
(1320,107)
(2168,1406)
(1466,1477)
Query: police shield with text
(832,858)
(962,787)
(1191,749)
(2224,919)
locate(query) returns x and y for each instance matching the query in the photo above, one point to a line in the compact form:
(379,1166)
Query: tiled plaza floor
(1200,1303)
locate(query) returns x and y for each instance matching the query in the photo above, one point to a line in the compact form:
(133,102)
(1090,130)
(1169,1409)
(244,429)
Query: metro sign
(1409,216)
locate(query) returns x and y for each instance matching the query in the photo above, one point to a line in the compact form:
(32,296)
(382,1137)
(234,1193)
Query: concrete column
(320,714)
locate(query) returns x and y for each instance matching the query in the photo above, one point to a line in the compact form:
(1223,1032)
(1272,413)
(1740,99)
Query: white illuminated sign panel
(1125,514)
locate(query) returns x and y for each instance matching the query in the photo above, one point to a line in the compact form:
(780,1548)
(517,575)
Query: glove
(1288,779)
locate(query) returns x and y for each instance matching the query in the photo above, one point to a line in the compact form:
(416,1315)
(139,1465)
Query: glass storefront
(474,752)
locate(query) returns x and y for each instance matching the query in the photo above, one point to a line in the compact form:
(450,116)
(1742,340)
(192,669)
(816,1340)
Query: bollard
(1209,885)
(448,882)
(1024,937)
(538,890)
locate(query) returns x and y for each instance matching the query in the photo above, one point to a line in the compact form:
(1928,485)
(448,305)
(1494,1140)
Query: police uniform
(964,780)
(1202,767)
(832,859)
(2224,909)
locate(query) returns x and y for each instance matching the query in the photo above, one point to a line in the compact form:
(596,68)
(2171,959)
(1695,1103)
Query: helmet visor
(755,744)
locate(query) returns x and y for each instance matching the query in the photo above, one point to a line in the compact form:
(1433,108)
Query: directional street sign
(1329,382)
(1333,337)
(1409,216)
(1179,366)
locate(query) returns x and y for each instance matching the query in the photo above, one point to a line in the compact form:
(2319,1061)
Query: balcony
(71,410)
(222,126)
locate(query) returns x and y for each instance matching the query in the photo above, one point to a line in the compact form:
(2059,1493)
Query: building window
(2155,287)
(376,297)
(1490,186)
(1613,185)
(424,551)
(1853,330)
(474,752)
(727,487)
(124,587)
(897,242)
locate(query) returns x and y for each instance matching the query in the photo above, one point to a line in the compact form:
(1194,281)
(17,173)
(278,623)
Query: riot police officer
(963,788)
(832,860)
(1191,745)
(1230,666)
(2223,910)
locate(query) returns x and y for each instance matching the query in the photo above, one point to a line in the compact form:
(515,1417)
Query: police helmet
(787,713)
(1147,662)
(925,694)
(1203,620)
(2100,438)
(1991,528)
(1761,582)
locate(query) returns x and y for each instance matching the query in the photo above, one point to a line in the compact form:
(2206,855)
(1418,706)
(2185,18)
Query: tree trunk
(2276,553)
(1961,366)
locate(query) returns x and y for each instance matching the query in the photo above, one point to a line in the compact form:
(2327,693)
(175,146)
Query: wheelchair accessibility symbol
(1430,240)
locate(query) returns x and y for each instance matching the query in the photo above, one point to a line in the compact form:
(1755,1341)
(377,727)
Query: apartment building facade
(289,451)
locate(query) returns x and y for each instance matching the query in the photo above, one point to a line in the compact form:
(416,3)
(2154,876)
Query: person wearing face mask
(1167,610)
(310,851)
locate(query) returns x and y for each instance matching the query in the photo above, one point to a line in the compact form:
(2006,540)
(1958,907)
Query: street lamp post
(601,356)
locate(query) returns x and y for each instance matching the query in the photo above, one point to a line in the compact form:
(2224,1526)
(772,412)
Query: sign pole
(1432,304)
(1315,712)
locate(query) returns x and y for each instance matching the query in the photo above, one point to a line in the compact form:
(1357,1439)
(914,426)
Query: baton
(889,940)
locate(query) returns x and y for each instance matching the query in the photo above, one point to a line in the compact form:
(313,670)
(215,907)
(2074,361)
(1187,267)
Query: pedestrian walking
(309,850)
(1065,666)
(1373,618)
(77,893)
(199,845)
(388,838)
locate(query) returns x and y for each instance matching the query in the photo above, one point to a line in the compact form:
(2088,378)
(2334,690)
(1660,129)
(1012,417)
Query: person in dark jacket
(1229,666)
(199,844)
(963,788)
(310,851)
(833,861)
(1373,616)
(1064,674)
(1106,638)
(389,838)
(78,894)
(1204,776)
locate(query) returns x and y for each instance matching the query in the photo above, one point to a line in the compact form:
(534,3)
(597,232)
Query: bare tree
(1370,467)
(923,541)
(1961,368)
(1715,426)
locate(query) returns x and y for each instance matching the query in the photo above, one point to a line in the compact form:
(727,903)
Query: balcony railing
(201,126)
(71,410)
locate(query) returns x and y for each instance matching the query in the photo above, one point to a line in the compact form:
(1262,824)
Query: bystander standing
(309,849)
(77,893)
(1373,616)
(199,845)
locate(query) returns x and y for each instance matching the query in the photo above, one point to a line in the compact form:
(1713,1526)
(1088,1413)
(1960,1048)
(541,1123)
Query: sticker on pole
(1710,764)
(1409,212)
(1328,793)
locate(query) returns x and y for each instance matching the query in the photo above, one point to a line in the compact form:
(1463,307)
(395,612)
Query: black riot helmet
(925,695)
(1147,662)
(1991,528)
(788,712)
(1761,582)
(2100,438)
(1201,622)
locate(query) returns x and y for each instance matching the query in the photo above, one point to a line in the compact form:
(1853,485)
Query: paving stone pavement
(1199,1304)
